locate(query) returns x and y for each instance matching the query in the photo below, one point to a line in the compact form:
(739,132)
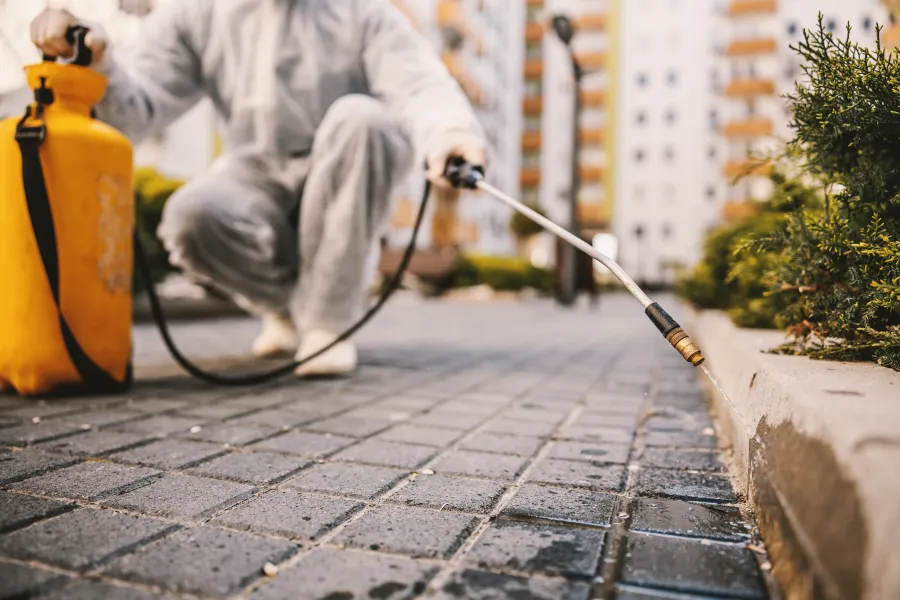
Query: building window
(711,193)
(532,123)
(671,116)
(711,153)
(867,23)
(639,155)
(641,117)
(832,25)
(666,231)
(792,28)
(531,160)
(533,87)
(672,78)
(642,80)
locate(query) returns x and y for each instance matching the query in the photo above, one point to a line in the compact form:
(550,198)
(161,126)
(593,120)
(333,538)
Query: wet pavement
(501,450)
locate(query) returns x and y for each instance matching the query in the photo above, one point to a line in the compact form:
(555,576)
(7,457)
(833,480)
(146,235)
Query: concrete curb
(817,448)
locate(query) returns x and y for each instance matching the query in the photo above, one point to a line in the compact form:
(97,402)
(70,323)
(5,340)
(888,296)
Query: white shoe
(339,360)
(278,336)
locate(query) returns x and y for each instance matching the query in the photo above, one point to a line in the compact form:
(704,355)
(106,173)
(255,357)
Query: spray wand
(463,175)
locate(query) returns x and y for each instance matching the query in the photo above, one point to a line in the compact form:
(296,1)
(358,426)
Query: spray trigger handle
(83,56)
(461,174)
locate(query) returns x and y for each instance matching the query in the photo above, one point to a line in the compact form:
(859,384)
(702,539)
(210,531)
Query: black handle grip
(461,174)
(83,55)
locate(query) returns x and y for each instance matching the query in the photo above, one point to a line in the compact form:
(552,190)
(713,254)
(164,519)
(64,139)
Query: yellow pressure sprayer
(67,245)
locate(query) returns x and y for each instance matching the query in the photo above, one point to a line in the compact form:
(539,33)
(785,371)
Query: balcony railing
(593,98)
(739,209)
(589,173)
(592,60)
(593,214)
(742,88)
(591,22)
(530,178)
(753,47)
(533,105)
(592,135)
(531,140)
(534,68)
(534,32)
(745,168)
(759,127)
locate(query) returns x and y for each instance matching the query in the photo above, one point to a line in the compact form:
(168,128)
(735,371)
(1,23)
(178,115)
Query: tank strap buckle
(35,133)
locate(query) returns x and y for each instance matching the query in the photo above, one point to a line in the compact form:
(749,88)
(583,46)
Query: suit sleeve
(406,74)
(158,80)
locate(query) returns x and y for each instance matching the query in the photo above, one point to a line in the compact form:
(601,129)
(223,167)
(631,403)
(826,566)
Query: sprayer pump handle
(75,36)
(462,174)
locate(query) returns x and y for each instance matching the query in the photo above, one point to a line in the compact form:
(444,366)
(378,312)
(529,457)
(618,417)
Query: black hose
(267,376)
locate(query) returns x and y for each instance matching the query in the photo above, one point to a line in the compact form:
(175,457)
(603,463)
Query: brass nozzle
(685,346)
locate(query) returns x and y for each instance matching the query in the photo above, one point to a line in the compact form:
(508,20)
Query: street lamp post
(568,256)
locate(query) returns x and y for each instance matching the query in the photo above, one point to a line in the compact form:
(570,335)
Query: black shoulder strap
(30,140)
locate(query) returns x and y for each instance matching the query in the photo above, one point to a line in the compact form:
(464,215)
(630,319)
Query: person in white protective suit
(327,104)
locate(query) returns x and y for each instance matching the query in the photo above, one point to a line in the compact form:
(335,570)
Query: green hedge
(829,275)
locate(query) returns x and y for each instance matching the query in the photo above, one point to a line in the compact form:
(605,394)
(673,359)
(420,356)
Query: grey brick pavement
(483,451)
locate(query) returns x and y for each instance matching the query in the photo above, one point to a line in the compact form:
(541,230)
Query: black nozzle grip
(663,321)
(462,174)
(75,37)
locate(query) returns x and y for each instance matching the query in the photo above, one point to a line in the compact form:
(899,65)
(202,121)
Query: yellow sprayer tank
(66,226)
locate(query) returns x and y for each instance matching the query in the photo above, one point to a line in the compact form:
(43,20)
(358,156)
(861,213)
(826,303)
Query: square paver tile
(421,435)
(232,433)
(349,426)
(502,443)
(682,439)
(447,420)
(19,510)
(690,566)
(347,478)
(302,443)
(542,549)
(289,513)
(203,561)
(92,443)
(575,473)
(92,590)
(538,429)
(20,581)
(675,517)
(323,574)
(16,465)
(440,491)
(684,485)
(33,433)
(683,459)
(580,506)
(160,425)
(481,464)
(82,538)
(481,585)
(598,453)
(597,435)
(172,454)
(261,468)
(407,530)
(391,454)
(87,480)
(182,496)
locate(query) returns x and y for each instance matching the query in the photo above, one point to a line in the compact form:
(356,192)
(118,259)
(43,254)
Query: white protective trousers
(328,103)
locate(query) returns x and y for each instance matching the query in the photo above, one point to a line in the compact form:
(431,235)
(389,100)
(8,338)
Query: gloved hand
(48,33)
(454,143)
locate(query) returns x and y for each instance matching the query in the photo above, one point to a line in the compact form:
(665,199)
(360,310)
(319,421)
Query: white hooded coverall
(328,103)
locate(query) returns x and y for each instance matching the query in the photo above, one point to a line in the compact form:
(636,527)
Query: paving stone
(536,429)
(636,593)
(424,436)
(502,443)
(233,434)
(690,566)
(591,452)
(171,454)
(347,478)
(16,465)
(687,519)
(33,433)
(607,420)
(92,590)
(92,443)
(580,506)
(104,418)
(458,407)
(182,496)
(87,481)
(535,413)
(212,412)
(19,510)
(261,468)
(302,443)
(684,485)
(349,426)
(596,476)
(597,435)
(481,464)
(82,538)
(323,575)
(161,425)
(279,418)
(544,549)
(480,585)
(439,491)
(683,459)
(680,439)
(391,454)
(418,532)
(155,405)
(203,561)
(289,513)
(448,420)
(20,581)
(41,410)
(686,423)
